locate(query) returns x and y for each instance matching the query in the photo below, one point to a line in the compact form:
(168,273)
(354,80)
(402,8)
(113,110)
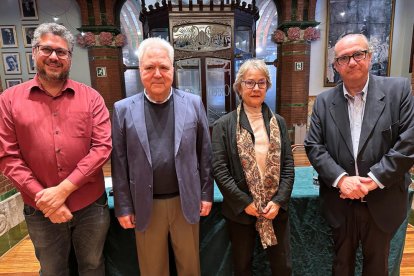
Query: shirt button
(58,151)
(57,132)
(55,114)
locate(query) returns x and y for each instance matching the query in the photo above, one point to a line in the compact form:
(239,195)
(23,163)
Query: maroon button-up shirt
(45,139)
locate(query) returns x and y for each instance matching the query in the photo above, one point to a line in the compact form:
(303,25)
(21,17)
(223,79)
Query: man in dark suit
(360,142)
(161,165)
(8,36)
(28,8)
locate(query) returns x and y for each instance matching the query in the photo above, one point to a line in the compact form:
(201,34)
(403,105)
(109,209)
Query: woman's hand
(251,210)
(271,210)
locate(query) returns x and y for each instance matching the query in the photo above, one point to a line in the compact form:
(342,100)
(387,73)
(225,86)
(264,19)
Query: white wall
(317,59)
(402,38)
(68,12)
(401,44)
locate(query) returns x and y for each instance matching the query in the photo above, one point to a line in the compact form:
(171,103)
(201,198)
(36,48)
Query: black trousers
(359,227)
(243,239)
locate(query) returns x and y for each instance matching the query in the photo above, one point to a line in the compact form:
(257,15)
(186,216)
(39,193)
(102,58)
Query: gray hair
(363,37)
(155,41)
(55,29)
(249,64)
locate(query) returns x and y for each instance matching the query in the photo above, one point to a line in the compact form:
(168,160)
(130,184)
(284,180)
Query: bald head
(360,38)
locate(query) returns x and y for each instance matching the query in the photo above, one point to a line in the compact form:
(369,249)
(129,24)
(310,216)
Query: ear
(334,67)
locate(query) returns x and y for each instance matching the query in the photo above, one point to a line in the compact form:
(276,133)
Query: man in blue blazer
(161,165)
(361,143)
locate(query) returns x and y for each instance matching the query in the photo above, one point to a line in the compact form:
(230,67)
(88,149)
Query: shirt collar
(364,91)
(35,83)
(152,101)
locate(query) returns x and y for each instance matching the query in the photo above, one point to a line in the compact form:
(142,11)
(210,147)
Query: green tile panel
(8,194)
(12,237)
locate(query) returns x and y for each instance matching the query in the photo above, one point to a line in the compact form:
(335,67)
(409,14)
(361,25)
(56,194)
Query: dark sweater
(159,119)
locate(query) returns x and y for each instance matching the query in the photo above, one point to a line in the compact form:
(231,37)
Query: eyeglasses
(357,56)
(60,52)
(251,84)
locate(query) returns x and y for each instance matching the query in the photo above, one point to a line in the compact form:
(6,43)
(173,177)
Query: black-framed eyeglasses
(251,84)
(357,56)
(47,51)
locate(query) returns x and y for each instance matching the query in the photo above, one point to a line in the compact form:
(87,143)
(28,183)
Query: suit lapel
(374,107)
(138,117)
(339,113)
(180,112)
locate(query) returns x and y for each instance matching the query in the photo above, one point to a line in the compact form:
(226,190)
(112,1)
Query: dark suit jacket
(131,159)
(228,171)
(386,148)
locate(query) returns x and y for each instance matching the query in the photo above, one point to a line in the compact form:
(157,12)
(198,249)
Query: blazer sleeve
(287,173)
(315,144)
(232,194)
(204,155)
(400,158)
(120,179)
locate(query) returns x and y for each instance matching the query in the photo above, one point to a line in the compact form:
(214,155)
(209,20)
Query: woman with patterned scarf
(253,168)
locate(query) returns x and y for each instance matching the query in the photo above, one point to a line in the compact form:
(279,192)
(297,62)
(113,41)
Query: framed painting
(12,82)
(28,10)
(30,63)
(27,33)
(11,63)
(8,38)
(373,18)
(412,54)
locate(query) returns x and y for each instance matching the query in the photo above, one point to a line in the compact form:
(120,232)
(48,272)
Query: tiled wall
(12,225)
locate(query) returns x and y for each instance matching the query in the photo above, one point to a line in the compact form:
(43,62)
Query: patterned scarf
(262,190)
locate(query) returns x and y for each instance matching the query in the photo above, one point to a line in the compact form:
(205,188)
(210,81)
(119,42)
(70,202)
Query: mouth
(54,64)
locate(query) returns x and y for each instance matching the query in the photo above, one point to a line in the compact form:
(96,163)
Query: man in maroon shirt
(54,139)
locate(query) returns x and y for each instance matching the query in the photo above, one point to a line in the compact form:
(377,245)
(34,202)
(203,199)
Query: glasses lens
(343,60)
(62,53)
(262,84)
(46,51)
(250,83)
(359,56)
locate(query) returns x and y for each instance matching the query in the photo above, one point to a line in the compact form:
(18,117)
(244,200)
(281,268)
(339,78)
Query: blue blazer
(132,175)
(386,148)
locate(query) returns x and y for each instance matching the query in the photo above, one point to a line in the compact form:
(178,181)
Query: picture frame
(27,33)
(13,82)
(28,10)
(412,54)
(8,37)
(31,68)
(374,21)
(11,63)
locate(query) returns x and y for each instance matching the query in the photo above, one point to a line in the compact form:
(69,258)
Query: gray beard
(56,77)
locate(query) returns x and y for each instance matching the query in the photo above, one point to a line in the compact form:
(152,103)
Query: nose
(256,86)
(352,61)
(157,72)
(53,55)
